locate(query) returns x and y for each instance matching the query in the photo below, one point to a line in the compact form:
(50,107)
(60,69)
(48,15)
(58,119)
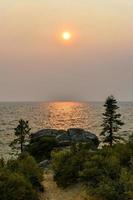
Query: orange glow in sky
(64,47)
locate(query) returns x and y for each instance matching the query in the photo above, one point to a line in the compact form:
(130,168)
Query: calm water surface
(60,115)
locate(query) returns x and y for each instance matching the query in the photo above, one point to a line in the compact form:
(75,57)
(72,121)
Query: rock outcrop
(69,136)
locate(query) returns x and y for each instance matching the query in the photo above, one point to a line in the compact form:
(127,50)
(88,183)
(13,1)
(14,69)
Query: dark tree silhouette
(111,121)
(21,131)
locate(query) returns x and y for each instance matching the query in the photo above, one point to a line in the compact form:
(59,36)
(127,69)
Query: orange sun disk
(66,36)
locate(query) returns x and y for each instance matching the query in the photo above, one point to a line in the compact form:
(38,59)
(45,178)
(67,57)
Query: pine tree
(111,121)
(21,131)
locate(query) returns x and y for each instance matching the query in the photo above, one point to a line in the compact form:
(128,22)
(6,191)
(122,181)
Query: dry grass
(53,192)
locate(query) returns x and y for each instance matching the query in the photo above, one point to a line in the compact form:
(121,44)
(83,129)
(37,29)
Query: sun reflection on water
(63,115)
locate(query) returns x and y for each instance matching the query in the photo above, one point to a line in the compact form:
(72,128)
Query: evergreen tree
(111,121)
(21,131)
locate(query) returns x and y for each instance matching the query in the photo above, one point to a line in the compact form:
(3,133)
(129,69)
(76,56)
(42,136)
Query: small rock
(44,163)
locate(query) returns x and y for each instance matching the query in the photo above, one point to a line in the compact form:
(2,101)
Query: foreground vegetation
(41,148)
(20,179)
(107,173)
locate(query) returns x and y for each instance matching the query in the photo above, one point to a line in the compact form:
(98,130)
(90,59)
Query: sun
(66,36)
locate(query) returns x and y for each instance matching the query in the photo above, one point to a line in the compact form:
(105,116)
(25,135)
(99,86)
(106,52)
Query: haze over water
(59,115)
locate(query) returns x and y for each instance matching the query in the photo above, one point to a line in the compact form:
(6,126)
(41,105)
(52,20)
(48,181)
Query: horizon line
(34,101)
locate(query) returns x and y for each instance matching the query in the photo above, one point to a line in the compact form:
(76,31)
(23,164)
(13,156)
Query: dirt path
(52,192)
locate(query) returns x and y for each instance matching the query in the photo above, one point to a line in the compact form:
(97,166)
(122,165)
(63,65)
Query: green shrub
(41,148)
(66,167)
(20,179)
(107,173)
(26,165)
(16,187)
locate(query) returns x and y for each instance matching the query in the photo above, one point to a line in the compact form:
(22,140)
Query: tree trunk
(21,142)
(21,146)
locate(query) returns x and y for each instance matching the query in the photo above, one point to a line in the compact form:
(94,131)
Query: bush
(26,165)
(41,148)
(20,179)
(16,187)
(107,173)
(66,168)
(68,163)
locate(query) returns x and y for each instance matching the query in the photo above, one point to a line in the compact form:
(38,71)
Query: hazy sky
(35,63)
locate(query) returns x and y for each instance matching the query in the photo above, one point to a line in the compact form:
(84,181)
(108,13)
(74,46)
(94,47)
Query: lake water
(59,115)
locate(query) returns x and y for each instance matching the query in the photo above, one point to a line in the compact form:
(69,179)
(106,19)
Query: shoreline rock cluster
(67,136)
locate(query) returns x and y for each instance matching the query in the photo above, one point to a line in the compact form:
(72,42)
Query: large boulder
(69,136)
